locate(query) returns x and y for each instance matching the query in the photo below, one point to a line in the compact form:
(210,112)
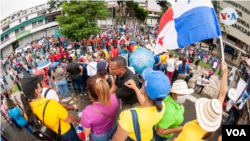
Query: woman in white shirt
(170,67)
(91,67)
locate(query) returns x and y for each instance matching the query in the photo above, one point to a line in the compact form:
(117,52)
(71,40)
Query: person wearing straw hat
(237,107)
(231,94)
(208,113)
(173,115)
(137,123)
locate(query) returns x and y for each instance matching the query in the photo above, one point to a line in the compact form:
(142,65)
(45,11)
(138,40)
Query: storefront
(236,38)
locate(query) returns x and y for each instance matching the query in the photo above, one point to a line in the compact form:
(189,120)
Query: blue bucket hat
(55,64)
(157,84)
(132,42)
(63,65)
(101,65)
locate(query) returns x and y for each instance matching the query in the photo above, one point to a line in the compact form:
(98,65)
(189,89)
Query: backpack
(44,133)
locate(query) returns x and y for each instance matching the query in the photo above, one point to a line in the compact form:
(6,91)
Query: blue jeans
(208,77)
(5,82)
(79,82)
(104,137)
(220,71)
(228,82)
(157,137)
(207,61)
(62,86)
(230,117)
(71,135)
(162,67)
(26,126)
(78,55)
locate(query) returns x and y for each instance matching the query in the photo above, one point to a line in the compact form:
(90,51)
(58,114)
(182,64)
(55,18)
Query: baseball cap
(101,65)
(30,81)
(157,84)
(81,58)
(245,95)
(132,42)
(39,71)
(63,65)
(55,64)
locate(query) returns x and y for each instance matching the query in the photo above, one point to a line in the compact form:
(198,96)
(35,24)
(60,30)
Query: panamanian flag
(187,22)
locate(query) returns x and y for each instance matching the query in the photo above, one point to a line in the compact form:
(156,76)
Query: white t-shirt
(91,69)
(198,81)
(170,65)
(50,95)
(90,48)
(72,55)
(214,65)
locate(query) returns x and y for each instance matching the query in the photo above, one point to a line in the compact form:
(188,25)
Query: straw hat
(180,87)
(209,113)
(232,93)
(165,50)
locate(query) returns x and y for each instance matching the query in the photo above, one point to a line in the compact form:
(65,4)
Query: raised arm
(223,85)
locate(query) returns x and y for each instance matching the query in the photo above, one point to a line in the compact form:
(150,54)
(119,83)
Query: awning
(235,47)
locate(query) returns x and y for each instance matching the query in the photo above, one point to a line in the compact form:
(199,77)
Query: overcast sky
(9,6)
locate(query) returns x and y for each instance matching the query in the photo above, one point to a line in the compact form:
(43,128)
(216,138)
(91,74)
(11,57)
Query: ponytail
(158,104)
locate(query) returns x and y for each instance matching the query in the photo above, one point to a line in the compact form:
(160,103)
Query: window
(51,19)
(20,20)
(13,17)
(150,12)
(27,18)
(7,27)
(2,39)
(18,14)
(231,38)
(6,37)
(41,13)
(40,22)
(24,12)
(151,21)
(22,28)
(34,24)
(17,31)
(155,13)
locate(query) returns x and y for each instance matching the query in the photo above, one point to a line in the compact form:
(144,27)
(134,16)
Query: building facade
(24,26)
(237,40)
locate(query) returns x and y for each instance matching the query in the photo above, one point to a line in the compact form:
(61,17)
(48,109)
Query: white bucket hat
(180,87)
(232,93)
(209,113)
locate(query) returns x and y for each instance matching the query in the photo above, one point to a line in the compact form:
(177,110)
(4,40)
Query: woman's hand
(131,84)
(224,67)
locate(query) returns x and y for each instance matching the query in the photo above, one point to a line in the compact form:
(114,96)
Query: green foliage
(80,20)
(117,20)
(130,6)
(54,4)
(141,14)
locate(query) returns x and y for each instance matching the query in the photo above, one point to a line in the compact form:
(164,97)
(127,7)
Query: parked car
(19,50)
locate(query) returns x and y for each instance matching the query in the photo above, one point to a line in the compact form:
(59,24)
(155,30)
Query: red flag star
(160,40)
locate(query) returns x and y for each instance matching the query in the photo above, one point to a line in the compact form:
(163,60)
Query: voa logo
(228,16)
(236,132)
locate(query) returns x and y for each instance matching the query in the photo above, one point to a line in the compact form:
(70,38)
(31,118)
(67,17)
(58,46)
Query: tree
(121,3)
(55,4)
(217,10)
(141,14)
(80,20)
(129,7)
(164,4)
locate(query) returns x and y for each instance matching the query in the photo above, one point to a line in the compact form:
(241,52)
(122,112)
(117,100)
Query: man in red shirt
(115,41)
(57,57)
(114,52)
(31,60)
(61,56)
(66,54)
(53,57)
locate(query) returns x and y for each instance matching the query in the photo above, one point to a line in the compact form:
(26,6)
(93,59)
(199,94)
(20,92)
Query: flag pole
(222,49)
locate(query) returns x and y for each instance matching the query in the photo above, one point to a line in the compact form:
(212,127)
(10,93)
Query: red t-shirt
(17,64)
(210,73)
(115,52)
(66,54)
(130,49)
(57,56)
(104,37)
(61,55)
(53,57)
(31,59)
(115,40)
(60,48)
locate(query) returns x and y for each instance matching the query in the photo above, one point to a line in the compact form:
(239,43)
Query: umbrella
(43,64)
(140,59)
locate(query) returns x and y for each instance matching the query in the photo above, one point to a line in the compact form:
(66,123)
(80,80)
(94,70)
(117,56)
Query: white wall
(6,50)
(39,34)
(12,34)
(28,27)
(23,41)
(51,31)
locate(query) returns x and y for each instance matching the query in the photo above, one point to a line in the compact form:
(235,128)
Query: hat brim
(40,77)
(183,91)
(202,120)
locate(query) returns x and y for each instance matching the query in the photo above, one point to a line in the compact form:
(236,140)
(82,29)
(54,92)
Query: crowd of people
(126,105)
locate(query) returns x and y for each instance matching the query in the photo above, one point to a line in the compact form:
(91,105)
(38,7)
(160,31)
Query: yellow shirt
(106,54)
(164,59)
(53,112)
(147,118)
(135,47)
(192,131)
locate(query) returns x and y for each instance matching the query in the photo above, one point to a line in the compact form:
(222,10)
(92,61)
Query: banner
(23,34)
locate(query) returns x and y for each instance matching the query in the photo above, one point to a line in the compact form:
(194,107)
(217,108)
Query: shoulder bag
(101,112)
(44,133)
